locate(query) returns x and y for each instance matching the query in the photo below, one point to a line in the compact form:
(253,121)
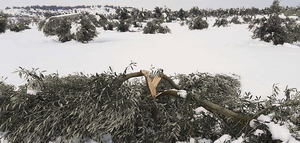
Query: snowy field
(226,50)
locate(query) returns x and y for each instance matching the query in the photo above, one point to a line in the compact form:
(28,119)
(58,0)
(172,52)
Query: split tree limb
(151,83)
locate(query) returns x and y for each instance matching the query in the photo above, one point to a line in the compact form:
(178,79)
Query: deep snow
(228,50)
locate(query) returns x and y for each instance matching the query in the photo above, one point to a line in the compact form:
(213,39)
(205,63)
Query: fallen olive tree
(118,107)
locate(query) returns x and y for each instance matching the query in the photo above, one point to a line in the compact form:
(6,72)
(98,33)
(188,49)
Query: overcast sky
(149,4)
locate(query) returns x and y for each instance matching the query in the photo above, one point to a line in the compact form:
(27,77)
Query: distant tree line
(271,28)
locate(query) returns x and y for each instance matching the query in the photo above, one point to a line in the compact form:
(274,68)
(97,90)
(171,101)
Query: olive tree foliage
(275,8)
(274,28)
(3,22)
(105,105)
(221,22)
(181,14)
(19,24)
(198,23)
(235,20)
(247,19)
(61,26)
(87,31)
(154,27)
(123,26)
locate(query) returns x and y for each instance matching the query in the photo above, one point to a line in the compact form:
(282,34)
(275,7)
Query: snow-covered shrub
(61,27)
(181,14)
(109,26)
(195,12)
(123,26)
(293,29)
(103,105)
(155,26)
(235,20)
(51,25)
(63,32)
(3,22)
(157,13)
(122,14)
(275,8)
(87,30)
(137,24)
(41,24)
(102,20)
(198,23)
(247,19)
(221,22)
(19,25)
(275,29)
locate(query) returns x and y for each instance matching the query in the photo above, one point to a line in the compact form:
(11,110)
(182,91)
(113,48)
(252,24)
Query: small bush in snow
(50,26)
(102,20)
(109,26)
(87,30)
(19,25)
(276,30)
(61,27)
(221,22)
(155,27)
(3,22)
(63,32)
(198,23)
(137,24)
(247,19)
(123,26)
(41,25)
(182,14)
(235,20)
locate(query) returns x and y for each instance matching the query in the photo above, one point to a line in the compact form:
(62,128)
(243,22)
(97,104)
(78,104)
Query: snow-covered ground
(150,4)
(228,50)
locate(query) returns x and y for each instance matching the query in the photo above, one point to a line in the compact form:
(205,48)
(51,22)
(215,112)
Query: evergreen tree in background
(155,26)
(3,22)
(276,29)
(275,8)
(123,26)
(221,22)
(61,27)
(158,13)
(182,14)
(19,25)
(64,31)
(235,20)
(87,30)
(272,30)
(198,23)
(194,12)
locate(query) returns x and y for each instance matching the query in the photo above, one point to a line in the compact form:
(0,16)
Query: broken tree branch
(212,107)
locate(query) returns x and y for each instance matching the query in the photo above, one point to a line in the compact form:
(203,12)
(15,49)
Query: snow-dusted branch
(212,107)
